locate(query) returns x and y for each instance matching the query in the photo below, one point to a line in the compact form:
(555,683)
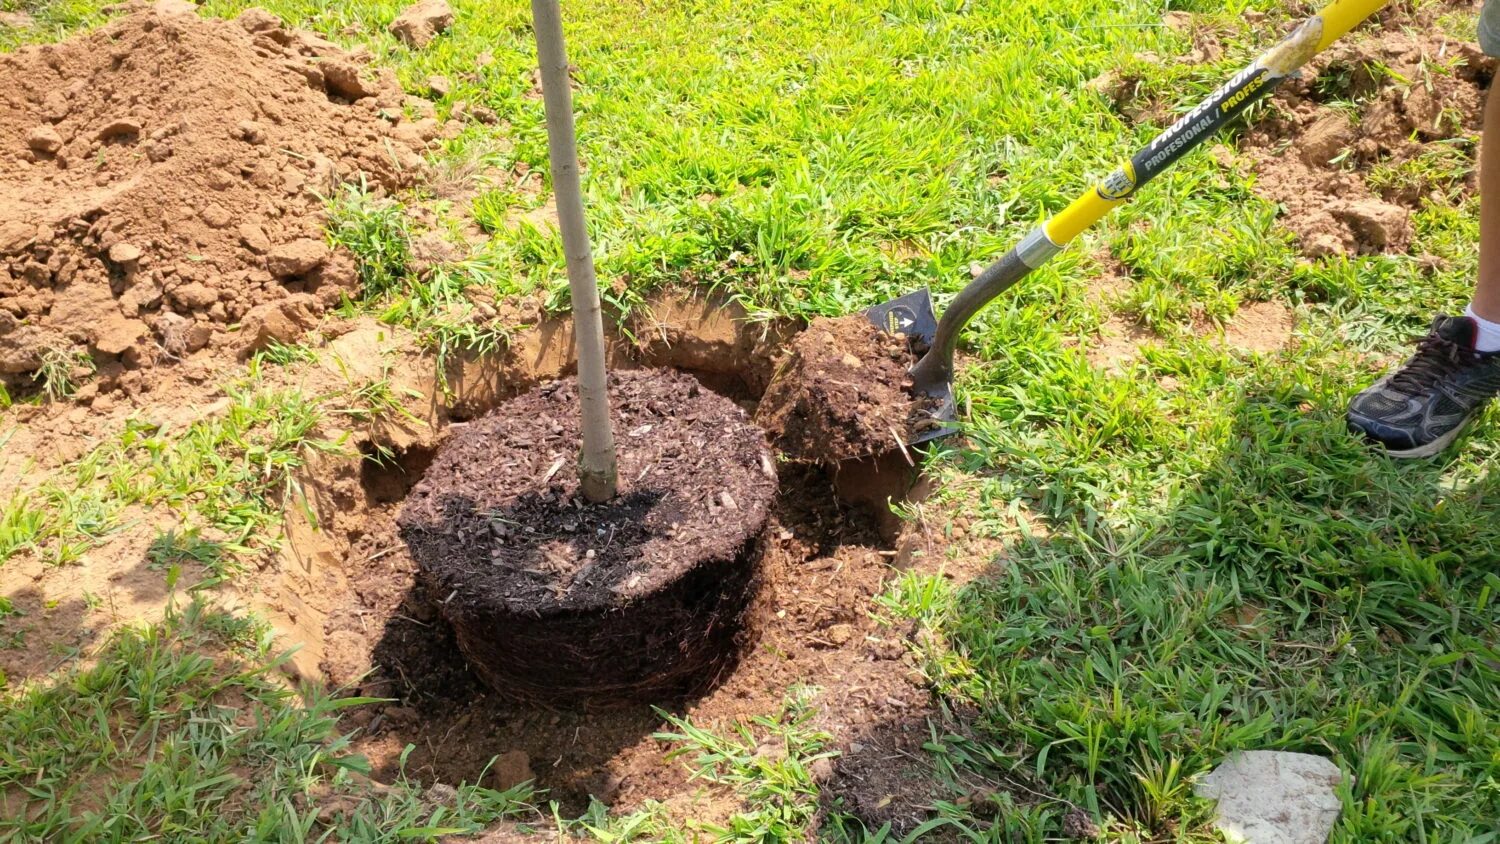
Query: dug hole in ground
(794,608)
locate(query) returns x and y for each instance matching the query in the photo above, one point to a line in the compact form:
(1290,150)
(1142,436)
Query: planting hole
(806,611)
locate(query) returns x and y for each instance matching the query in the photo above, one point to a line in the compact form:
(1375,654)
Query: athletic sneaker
(1422,407)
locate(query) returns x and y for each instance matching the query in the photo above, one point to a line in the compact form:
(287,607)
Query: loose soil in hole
(840,393)
(159,182)
(1317,162)
(643,597)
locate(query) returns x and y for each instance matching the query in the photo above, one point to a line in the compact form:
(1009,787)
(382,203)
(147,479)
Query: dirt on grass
(646,596)
(1118,343)
(161,182)
(1372,103)
(840,393)
(1264,327)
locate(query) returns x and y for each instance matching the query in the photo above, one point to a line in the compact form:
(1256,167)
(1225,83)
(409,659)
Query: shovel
(912,315)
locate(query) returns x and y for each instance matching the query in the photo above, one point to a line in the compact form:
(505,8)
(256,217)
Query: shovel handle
(1258,79)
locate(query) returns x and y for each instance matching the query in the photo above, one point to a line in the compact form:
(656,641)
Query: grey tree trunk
(596,460)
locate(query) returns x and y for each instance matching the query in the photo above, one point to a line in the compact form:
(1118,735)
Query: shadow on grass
(1301,592)
(40,633)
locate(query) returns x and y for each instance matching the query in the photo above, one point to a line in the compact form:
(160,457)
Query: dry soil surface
(160,184)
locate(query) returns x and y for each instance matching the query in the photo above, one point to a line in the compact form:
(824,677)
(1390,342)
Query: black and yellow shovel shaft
(1260,78)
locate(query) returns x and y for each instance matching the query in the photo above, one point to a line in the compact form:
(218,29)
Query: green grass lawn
(1204,559)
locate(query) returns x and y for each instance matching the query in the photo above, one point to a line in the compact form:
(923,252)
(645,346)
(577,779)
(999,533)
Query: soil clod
(840,393)
(418,24)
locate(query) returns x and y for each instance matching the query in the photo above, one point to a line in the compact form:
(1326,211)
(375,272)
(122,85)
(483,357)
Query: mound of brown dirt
(840,393)
(1316,161)
(645,596)
(159,183)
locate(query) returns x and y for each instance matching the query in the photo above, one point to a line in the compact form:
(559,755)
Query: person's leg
(1486,304)
(1421,407)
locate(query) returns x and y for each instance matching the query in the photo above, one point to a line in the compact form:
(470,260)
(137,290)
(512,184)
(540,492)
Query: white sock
(1488,338)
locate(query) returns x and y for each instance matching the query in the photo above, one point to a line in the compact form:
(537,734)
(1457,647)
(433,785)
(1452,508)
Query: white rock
(1271,797)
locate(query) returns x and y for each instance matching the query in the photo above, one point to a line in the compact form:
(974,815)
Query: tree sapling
(596,458)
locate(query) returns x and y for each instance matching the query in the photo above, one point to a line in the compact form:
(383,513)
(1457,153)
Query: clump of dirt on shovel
(840,393)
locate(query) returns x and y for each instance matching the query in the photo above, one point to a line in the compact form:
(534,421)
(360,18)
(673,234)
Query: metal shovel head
(912,316)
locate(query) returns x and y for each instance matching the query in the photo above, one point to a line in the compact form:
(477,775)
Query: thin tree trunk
(596,460)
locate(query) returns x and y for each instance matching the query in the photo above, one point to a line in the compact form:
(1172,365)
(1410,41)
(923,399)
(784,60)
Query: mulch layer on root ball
(643,597)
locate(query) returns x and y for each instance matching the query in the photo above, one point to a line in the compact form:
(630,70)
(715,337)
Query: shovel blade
(913,316)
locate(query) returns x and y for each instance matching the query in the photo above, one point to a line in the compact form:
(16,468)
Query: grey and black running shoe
(1420,408)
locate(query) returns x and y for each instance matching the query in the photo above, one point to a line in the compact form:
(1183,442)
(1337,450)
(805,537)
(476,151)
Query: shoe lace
(1436,358)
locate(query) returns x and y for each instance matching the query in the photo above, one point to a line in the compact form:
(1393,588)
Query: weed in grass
(1441,171)
(174,548)
(283,354)
(474,162)
(767,761)
(21,525)
(374,229)
(493,208)
(435,305)
(647,824)
(374,400)
(377,399)
(79,517)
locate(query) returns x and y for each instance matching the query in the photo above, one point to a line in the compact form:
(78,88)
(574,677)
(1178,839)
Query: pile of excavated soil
(1316,161)
(160,181)
(840,393)
(646,596)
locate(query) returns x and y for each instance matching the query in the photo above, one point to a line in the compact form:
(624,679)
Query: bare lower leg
(1487,291)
